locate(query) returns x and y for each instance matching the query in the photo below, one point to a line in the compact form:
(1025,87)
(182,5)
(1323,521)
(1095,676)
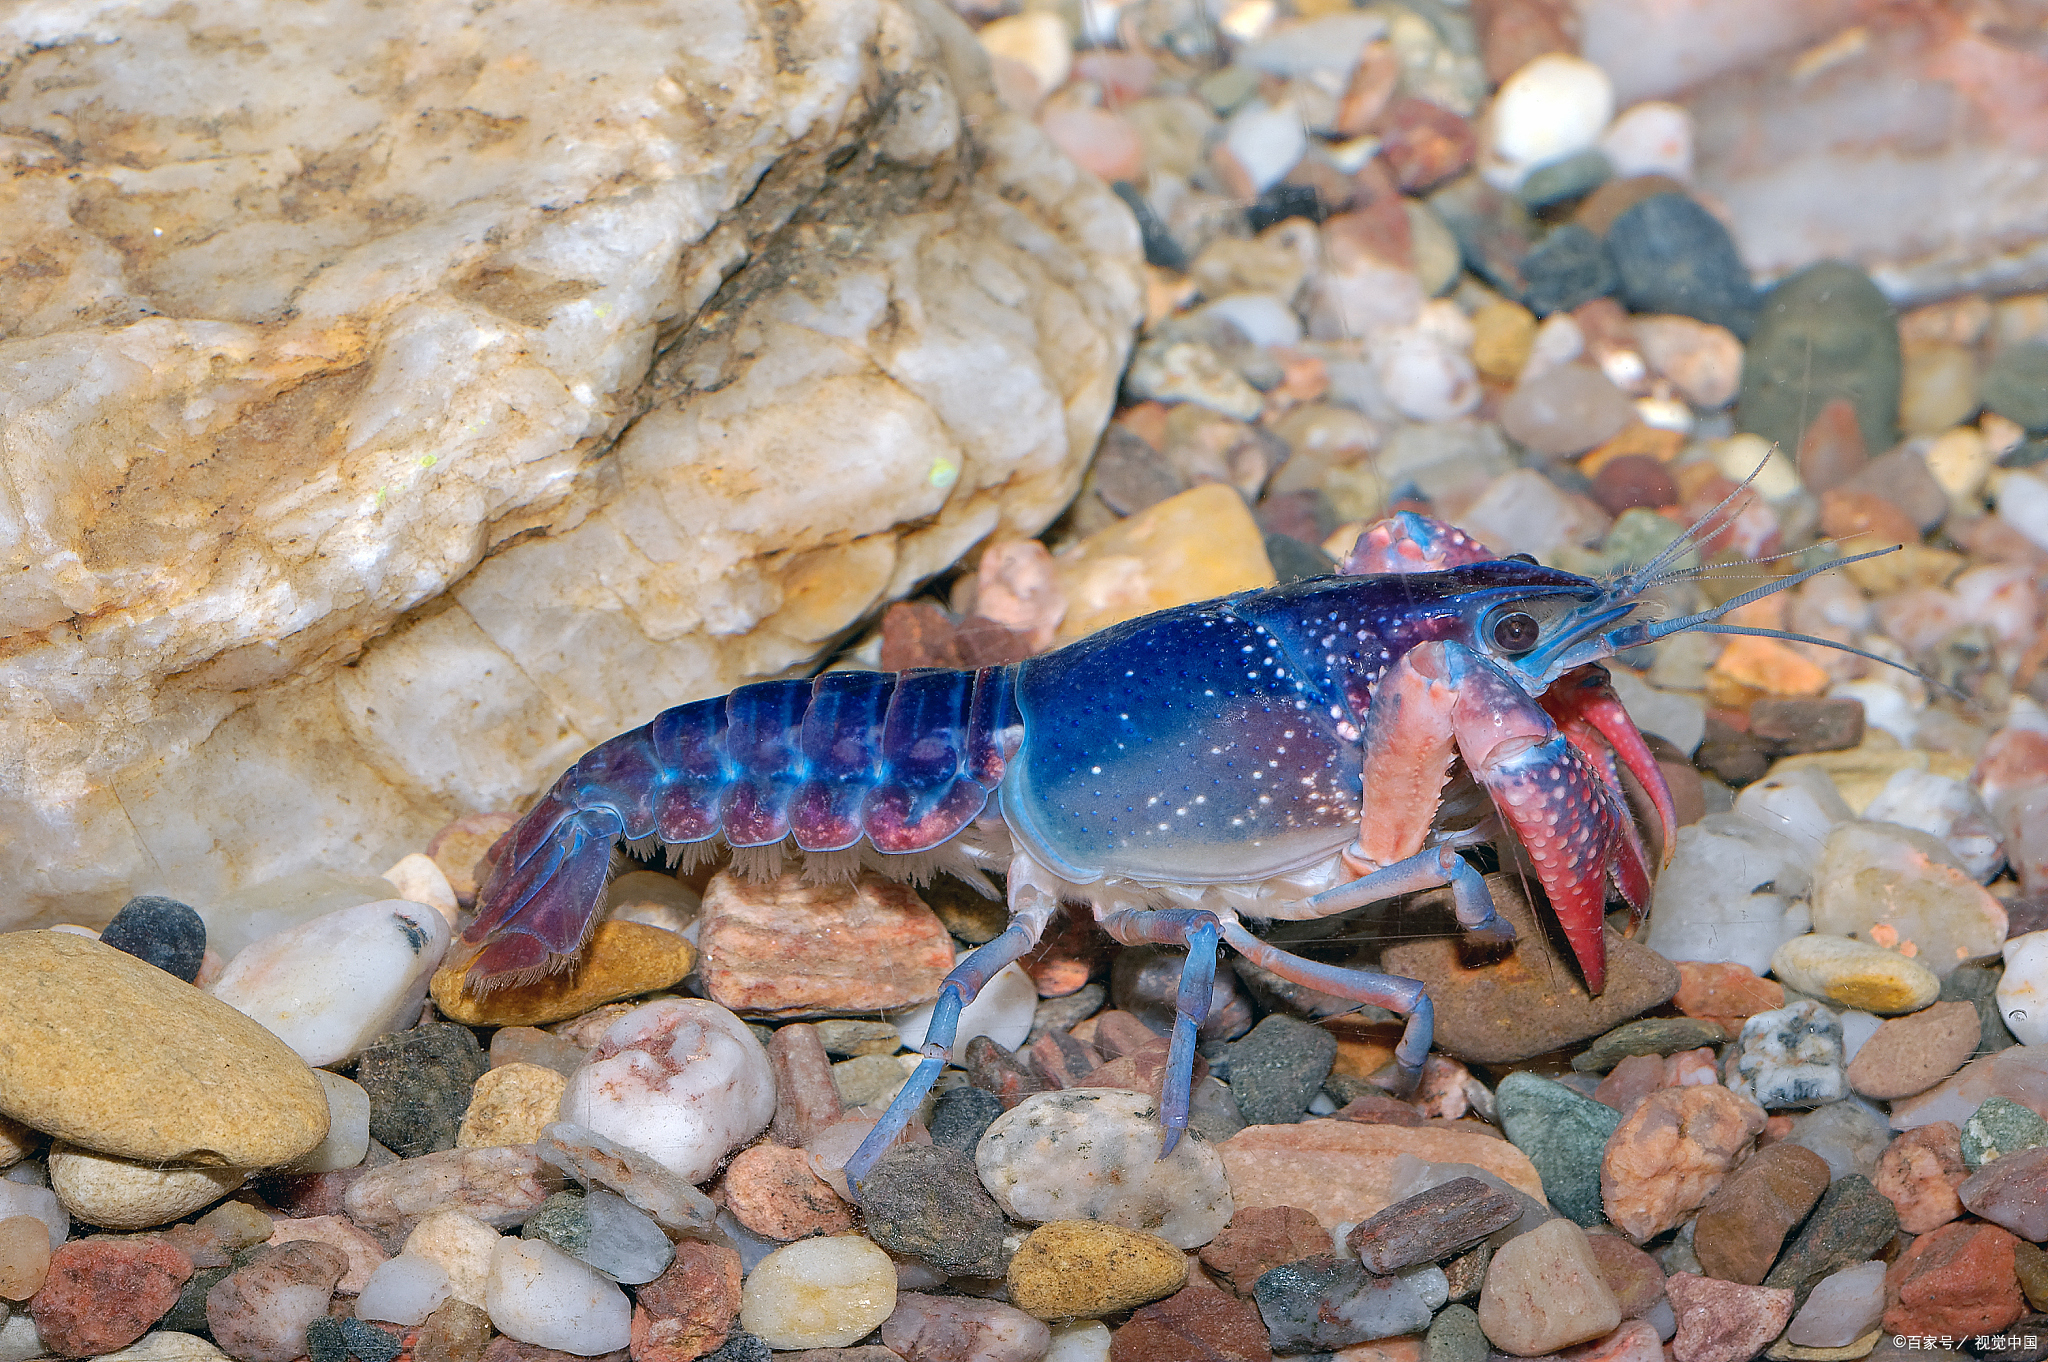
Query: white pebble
(1550,109)
(1037,40)
(25,1198)
(348,1128)
(1267,140)
(1802,804)
(1844,1307)
(1679,719)
(167,1345)
(1001,1011)
(538,1294)
(681,1080)
(1857,1028)
(1946,808)
(1082,1340)
(461,1246)
(2023,988)
(118,1194)
(329,987)
(1728,893)
(19,1340)
(1427,379)
(1093,1154)
(404,1290)
(1559,340)
(1885,706)
(1330,44)
(1650,138)
(417,878)
(1260,317)
(2023,504)
(819,1293)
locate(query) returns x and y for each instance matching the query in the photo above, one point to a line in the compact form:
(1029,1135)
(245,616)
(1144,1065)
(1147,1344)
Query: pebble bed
(1394,263)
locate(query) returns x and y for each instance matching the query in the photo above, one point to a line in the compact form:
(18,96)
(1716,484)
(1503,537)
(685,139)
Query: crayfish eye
(1516,632)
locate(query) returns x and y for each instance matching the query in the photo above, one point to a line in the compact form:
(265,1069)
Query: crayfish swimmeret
(1276,754)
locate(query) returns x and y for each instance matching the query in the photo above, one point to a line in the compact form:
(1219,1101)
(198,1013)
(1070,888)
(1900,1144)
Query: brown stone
(1743,1225)
(1432,1225)
(1846,511)
(507,1349)
(790,949)
(456,1332)
(1061,1061)
(1258,1239)
(1072,951)
(1920,1171)
(688,1310)
(621,960)
(1198,1323)
(1664,1160)
(806,1098)
(1340,1170)
(1532,1000)
(1140,1070)
(1960,1279)
(460,845)
(1379,1108)
(1424,143)
(772,1191)
(1726,993)
(1612,199)
(100,1295)
(1806,723)
(1633,1275)
(1721,1321)
(1513,33)
(1832,450)
(1909,1055)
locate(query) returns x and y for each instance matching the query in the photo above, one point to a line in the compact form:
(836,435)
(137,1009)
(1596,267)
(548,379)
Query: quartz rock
(1728,894)
(404,1290)
(2011,1191)
(1545,1291)
(348,1128)
(1551,108)
(1849,1135)
(461,362)
(681,1080)
(605,1231)
(538,1294)
(1668,1156)
(1902,889)
(1724,1321)
(819,1293)
(259,1312)
(2023,988)
(1842,1309)
(954,1326)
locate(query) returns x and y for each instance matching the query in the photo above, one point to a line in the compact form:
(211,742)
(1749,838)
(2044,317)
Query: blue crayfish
(1276,754)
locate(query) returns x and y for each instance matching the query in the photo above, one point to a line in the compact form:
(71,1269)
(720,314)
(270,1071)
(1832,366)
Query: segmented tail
(905,760)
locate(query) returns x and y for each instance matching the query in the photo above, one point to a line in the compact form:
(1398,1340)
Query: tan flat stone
(1340,1170)
(786,949)
(117,1056)
(622,960)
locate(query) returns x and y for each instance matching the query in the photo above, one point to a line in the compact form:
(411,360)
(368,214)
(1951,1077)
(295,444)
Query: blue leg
(1382,990)
(1426,869)
(1198,930)
(1030,911)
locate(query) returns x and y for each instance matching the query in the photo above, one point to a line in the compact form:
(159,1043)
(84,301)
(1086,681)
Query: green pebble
(2016,384)
(1454,1336)
(1650,1036)
(560,1221)
(2000,1126)
(1822,333)
(1564,1134)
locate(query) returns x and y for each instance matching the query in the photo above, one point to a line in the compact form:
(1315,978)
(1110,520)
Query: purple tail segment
(905,760)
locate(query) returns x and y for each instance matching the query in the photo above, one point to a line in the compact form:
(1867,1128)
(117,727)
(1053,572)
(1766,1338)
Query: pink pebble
(1123,76)
(1098,141)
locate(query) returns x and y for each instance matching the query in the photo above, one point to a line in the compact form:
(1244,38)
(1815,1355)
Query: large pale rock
(714,327)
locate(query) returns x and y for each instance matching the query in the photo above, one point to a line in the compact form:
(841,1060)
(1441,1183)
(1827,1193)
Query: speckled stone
(511,1104)
(1082,1269)
(2000,1126)
(162,931)
(1724,1321)
(1276,1070)
(962,1116)
(925,1201)
(1532,1001)
(420,1083)
(1093,1153)
(1455,1336)
(1564,1133)
(154,1070)
(1790,1057)
(1650,1036)
(1852,1224)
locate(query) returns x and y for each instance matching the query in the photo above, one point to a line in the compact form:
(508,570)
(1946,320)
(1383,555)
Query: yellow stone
(509,1105)
(621,960)
(116,1056)
(1960,461)
(1781,1351)
(1081,1269)
(1502,335)
(1771,666)
(1911,566)
(1937,388)
(1190,547)
(1854,974)
(1860,772)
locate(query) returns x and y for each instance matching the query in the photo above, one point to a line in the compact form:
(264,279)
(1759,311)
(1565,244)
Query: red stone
(688,1310)
(1630,1081)
(100,1295)
(806,1098)
(1379,1109)
(1724,1321)
(1832,449)
(1424,143)
(1630,480)
(1633,1275)
(1260,1238)
(1961,1279)
(1061,1061)
(773,1192)
(993,1069)
(925,634)
(1726,993)
(1513,33)
(1198,1323)
(1073,951)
